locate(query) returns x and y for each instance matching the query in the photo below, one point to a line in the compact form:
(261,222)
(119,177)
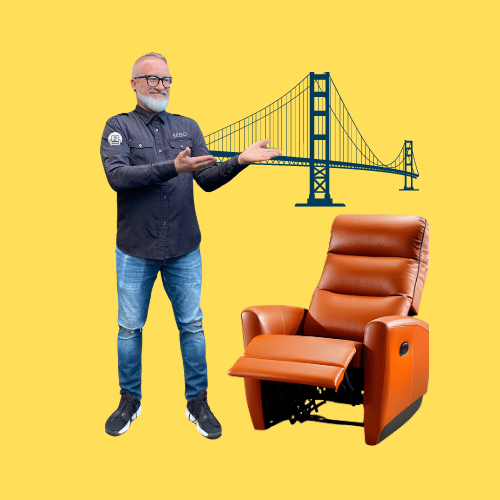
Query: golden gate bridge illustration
(313,128)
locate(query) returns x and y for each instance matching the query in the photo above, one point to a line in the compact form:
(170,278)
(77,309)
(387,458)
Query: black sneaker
(128,409)
(198,411)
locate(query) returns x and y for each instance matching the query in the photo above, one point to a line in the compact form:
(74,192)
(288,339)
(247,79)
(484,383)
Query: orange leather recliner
(358,342)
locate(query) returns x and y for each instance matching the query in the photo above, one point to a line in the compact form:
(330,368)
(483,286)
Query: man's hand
(184,163)
(257,152)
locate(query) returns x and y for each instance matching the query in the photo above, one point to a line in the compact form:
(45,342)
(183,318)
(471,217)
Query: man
(151,158)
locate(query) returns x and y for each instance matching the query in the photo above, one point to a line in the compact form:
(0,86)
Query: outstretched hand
(257,152)
(184,163)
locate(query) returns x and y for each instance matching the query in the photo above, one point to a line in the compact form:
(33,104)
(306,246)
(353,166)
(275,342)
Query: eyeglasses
(154,80)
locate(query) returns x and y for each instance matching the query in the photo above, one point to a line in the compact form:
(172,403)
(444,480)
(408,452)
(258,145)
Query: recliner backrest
(376,266)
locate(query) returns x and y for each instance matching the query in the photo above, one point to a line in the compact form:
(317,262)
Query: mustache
(163,92)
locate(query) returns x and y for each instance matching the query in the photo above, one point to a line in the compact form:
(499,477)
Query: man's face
(153,99)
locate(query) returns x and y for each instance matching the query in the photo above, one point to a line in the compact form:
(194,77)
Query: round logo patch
(115,139)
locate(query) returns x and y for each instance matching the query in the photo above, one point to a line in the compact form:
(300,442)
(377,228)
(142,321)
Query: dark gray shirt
(156,214)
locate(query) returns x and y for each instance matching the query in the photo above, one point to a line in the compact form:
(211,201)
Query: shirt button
(165,197)
(156,129)
(159,151)
(164,222)
(140,145)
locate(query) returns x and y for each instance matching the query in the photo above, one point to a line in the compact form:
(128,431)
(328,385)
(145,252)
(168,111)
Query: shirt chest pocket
(141,152)
(178,145)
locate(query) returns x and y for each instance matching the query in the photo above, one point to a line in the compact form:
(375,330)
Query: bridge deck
(305,162)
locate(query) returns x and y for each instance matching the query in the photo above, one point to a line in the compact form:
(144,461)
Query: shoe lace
(127,400)
(200,407)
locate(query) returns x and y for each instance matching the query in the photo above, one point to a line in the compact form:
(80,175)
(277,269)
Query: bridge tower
(408,166)
(319,140)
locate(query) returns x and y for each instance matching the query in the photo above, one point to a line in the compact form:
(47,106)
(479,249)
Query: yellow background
(425,72)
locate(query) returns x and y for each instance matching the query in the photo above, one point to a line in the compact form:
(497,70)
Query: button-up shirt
(156,214)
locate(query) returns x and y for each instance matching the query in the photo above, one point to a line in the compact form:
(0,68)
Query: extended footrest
(296,359)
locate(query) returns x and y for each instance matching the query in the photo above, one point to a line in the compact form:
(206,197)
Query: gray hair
(149,54)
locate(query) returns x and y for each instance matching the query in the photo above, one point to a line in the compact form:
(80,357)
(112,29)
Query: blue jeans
(181,278)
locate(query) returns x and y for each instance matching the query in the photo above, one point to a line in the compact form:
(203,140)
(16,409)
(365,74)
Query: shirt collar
(147,116)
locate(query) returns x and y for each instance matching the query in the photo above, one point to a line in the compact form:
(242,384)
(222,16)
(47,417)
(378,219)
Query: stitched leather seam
(331,364)
(404,325)
(331,252)
(283,318)
(360,295)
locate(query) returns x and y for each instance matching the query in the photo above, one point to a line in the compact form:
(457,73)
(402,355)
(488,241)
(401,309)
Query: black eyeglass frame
(167,79)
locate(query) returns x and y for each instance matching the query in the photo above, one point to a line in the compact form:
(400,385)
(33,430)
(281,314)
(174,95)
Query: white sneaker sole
(133,417)
(191,418)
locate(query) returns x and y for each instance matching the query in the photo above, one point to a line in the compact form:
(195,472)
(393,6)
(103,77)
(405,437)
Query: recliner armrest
(396,368)
(275,320)
(396,321)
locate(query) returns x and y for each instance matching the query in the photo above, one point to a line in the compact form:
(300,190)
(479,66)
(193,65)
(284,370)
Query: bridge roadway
(305,162)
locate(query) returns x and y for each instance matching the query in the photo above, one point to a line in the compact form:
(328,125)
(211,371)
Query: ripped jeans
(181,277)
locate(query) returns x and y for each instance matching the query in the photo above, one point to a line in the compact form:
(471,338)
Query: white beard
(156,105)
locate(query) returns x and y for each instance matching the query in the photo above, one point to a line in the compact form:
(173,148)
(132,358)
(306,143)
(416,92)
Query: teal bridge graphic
(313,128)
